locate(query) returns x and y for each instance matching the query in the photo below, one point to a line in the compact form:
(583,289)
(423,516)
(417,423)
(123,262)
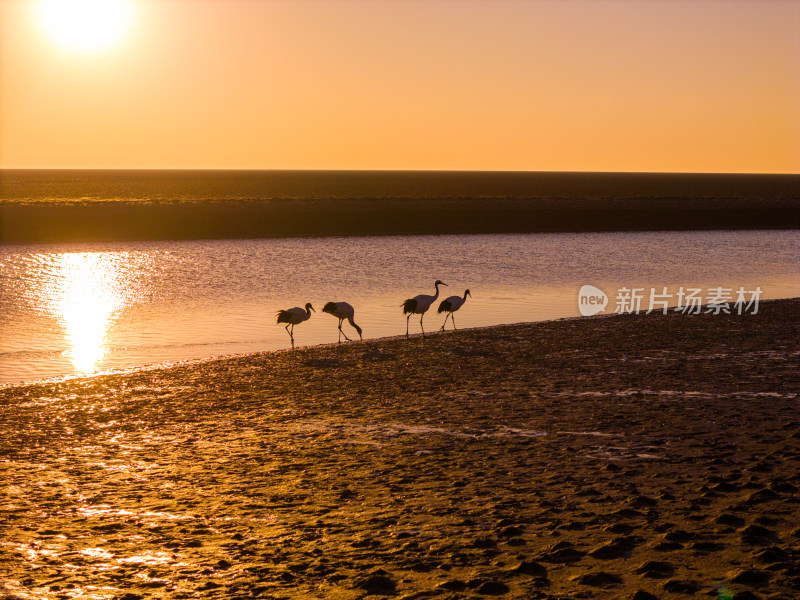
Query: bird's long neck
(465,296)
(436,295)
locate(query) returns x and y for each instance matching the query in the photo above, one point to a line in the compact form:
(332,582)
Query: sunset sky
(567,85)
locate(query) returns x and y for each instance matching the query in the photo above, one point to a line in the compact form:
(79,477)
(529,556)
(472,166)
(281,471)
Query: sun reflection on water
(86,293)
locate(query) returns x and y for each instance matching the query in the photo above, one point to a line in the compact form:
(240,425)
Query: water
(84,308)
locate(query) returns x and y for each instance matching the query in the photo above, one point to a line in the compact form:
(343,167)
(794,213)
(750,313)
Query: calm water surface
(86,308)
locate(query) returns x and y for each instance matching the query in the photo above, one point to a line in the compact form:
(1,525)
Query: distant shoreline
(103,221)
(82,206)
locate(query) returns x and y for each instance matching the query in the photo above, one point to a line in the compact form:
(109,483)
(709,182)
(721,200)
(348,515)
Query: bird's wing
(423,301)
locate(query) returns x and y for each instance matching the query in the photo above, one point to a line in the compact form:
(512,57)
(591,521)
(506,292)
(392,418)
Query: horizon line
(443,171)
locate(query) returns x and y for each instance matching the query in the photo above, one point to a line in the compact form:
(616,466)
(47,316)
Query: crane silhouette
(342,311)
(419,305)
(293,316)
(451,305)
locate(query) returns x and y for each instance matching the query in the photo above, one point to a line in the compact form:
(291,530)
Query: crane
(293,316)
(342,311)
(451,305)
(419,305)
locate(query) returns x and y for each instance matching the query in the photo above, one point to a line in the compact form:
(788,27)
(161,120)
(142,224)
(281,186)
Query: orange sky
(568,85)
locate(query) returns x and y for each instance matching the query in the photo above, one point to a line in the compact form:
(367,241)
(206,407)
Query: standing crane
(419,305)
(451,305)
(342,311)
(293,316)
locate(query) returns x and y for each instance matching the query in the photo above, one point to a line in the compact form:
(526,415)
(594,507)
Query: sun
(85,25)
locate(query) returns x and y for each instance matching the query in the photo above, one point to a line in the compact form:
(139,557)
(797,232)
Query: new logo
(591,300)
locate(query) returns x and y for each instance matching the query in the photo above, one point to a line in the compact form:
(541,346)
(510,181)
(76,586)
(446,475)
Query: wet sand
(636,456)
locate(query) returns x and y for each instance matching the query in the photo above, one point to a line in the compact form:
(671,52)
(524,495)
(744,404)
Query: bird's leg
(407,319)
(289,332)
(342,330)
(453,319)
(445,321)
(420,325)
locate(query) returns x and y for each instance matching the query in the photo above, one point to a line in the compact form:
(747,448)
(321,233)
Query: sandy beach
(633,456)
